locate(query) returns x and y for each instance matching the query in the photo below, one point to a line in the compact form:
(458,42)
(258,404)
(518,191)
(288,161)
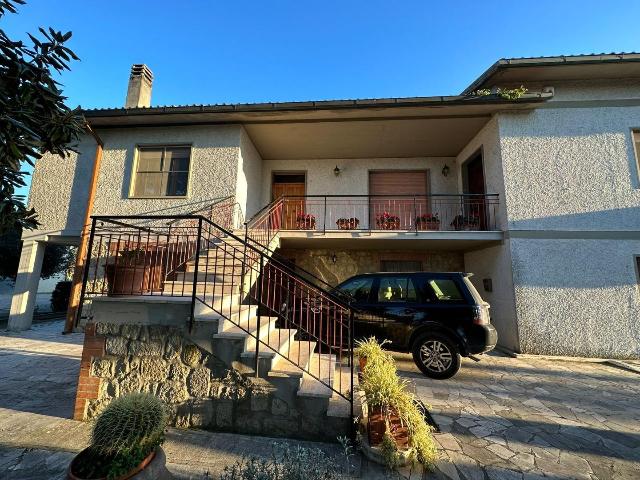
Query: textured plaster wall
(249,183)
(354,175)
(571,169)
(214,168)
(495,263)
(577,297)
(353,262)
(591,90)
(60,187)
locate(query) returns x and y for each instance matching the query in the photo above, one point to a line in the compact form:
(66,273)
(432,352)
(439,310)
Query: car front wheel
(436,356)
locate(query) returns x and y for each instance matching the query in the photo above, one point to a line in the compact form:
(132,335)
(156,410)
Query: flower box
(348,223)
(428,222)
(306,222)
(387,221)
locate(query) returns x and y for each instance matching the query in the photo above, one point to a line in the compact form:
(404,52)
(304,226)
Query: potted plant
(125,442)
(428,221)
(305,221)
(370,349)
(387,221)
(397,433)
(348,223)
(134,271)
(466,222)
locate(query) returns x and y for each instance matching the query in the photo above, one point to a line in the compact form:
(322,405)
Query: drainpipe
(76,285)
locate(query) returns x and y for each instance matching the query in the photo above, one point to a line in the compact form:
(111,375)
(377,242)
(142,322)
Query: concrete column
(24,292)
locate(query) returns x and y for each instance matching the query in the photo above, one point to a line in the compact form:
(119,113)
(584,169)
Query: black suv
(436,316)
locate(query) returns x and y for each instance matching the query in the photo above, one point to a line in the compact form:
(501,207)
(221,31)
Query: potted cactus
(387,221)
(428,221)
(348,223)
(125,442)
(305,221)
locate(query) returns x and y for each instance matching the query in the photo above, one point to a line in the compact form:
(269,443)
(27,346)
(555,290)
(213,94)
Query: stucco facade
(562,272)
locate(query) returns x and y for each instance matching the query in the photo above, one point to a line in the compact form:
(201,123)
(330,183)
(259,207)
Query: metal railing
(285,314)
(379,212)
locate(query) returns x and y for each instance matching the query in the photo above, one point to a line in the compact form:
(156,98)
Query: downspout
(76,285)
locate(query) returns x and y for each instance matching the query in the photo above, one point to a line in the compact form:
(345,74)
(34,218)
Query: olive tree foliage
(34,119)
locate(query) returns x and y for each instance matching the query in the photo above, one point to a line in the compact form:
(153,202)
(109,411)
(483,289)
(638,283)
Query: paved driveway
(506,418)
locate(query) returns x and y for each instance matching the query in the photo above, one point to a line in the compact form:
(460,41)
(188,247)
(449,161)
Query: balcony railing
(385,212)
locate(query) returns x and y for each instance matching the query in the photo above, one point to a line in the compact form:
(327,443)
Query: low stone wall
(199,389)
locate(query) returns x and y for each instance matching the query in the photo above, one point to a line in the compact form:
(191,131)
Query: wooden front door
(475,207)
(289,185)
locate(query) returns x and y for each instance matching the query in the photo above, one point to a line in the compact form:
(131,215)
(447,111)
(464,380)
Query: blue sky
(254,51)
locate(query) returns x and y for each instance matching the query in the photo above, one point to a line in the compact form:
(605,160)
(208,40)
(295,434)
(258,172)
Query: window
(445,290)
(358,288)
(635,136)
(396,289)
(162,172)
(400,266)
(638,268)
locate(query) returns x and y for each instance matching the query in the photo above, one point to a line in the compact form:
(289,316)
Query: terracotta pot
(427,225)
(306,224)
(377,427)
(152,467)
(133,279)
(362,361)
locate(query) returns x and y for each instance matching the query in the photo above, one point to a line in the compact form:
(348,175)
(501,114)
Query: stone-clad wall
(199,389)
(354,262)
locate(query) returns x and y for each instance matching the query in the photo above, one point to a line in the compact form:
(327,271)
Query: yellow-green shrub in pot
(396,428)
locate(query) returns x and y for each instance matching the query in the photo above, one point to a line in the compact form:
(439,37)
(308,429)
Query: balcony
(333,221)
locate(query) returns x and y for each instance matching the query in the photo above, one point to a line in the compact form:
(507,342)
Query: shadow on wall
(616,219)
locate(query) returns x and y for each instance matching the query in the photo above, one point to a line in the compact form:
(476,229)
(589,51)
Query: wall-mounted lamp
(336,171)
(334,258)
(445,170)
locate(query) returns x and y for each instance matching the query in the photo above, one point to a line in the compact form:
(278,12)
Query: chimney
(139,90)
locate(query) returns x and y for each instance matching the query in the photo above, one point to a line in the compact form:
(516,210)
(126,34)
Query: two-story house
(537,193)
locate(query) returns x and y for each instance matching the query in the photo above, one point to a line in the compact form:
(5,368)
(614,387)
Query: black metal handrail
(402,212)
(193,256)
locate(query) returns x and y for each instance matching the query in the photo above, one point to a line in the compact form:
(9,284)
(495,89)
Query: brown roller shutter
(393,185)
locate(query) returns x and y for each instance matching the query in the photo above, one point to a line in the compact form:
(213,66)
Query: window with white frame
(162,171)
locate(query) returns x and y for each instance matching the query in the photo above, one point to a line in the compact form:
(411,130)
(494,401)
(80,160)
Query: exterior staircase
(227,324)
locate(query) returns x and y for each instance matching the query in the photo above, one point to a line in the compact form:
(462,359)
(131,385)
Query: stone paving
(506,418)
(501,418)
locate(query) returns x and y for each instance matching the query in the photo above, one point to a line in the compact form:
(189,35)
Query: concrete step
(322,366)
(278,339)
(203,276)
(300,353)
(234,313)
(222,303)
(220,268)
(186,288)
(247,331)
